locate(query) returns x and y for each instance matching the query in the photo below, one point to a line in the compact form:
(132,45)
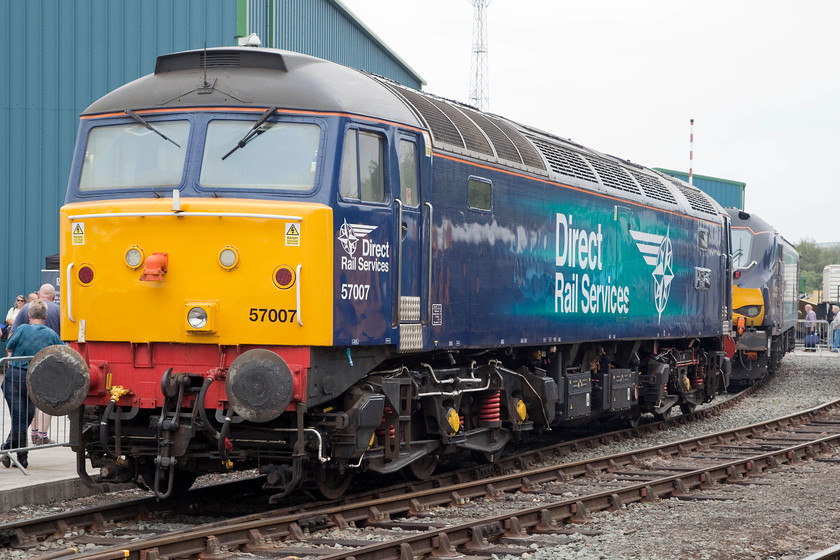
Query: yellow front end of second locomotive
(203,271)
(747,307)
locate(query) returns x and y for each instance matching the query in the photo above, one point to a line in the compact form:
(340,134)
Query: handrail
(297,272)
(68,289)
(429,293)
(182,214)
(399,248)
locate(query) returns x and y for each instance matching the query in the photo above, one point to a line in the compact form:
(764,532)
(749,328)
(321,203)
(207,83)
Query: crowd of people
(30,326)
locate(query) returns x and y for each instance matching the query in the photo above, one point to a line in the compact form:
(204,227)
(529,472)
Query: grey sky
(760,78)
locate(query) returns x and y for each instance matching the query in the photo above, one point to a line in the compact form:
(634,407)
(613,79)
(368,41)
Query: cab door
(408,210)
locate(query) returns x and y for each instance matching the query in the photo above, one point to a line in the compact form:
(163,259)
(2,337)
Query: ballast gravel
(786,514)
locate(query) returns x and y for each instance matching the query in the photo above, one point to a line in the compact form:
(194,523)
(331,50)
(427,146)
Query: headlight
(749,311)
(197,317)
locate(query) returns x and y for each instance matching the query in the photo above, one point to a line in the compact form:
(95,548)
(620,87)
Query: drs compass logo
(349,235)
(658,253)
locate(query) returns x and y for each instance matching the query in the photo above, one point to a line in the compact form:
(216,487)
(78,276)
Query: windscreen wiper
(251,133)
(142,121)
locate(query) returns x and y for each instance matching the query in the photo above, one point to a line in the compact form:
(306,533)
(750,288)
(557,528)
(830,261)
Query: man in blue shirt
(27,340)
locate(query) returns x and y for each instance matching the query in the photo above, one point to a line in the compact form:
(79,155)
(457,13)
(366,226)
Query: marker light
(134,257)
(85,274)
(197,317)
(229,257)
(284,277)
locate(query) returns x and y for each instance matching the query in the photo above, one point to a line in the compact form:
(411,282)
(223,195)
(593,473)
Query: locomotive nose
(58,380)
(259,385)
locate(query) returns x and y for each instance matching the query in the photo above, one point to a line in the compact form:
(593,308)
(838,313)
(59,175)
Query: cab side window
(408,173)
(363,167)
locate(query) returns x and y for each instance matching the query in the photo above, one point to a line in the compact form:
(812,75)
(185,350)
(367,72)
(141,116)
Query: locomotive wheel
(332,484)
(424,467)
(687,408)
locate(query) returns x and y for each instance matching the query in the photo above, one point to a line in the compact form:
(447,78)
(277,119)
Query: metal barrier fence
(815,336)
(24,427)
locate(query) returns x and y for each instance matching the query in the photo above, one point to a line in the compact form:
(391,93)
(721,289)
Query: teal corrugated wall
(60,56)
(729,194)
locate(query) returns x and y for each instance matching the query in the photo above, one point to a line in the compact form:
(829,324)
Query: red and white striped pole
(691,156)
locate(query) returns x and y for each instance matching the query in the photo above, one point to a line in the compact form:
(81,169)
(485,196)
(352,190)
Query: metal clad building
(727,193)
(63,55)
(327,30)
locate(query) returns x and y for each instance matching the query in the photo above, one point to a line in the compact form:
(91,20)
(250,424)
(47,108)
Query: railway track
(458,486)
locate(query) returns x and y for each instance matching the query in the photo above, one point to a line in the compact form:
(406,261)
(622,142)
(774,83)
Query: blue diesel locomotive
(765,298)
(316,271)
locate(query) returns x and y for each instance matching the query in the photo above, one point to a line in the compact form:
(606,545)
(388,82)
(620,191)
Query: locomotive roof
(255,77)
(261,77)
(749,220)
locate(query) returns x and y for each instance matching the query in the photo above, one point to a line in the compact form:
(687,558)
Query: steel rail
(30,530)
(207,540)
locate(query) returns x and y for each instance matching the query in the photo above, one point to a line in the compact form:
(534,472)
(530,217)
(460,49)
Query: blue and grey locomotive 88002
(274,261)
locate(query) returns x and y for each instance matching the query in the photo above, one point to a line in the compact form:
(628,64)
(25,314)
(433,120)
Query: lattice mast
(479,78)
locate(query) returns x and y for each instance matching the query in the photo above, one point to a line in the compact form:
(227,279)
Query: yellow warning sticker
(292,235)
(78,233)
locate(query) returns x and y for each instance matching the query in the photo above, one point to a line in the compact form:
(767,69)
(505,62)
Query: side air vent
(219,60)
(442,128)
(654,188)
(222,58)
(564,161)
(697,199)
(613,176)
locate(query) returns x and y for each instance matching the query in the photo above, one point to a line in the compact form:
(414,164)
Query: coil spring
(392,429)
(489,409)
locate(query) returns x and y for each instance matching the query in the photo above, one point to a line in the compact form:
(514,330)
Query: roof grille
(443,130)
(219,59)
(504,147)
(654,188)
(564,161)
(613,176)
(697,199)
(472,136)
(526,149)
